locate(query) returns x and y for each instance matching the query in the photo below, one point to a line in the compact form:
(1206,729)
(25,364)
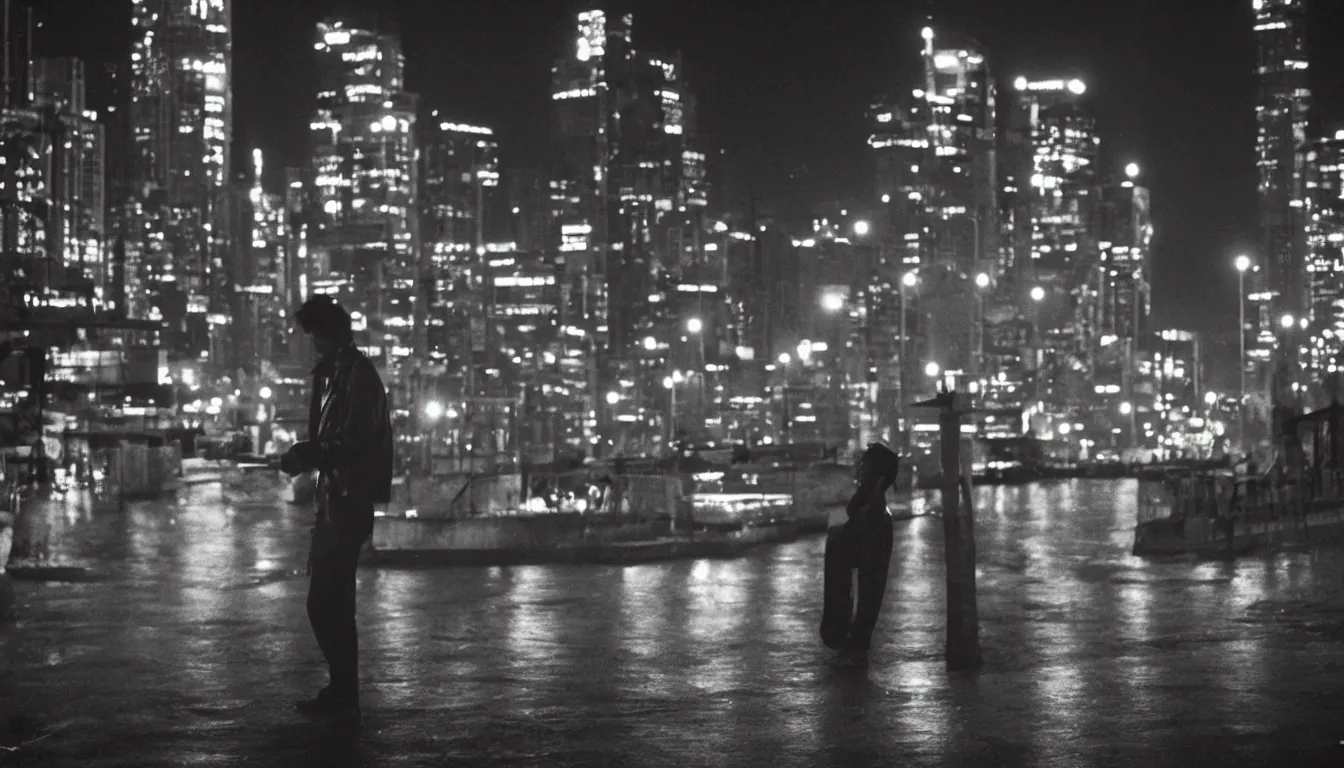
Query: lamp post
(908,280)
(1242,264)
(978,324)
(671,382)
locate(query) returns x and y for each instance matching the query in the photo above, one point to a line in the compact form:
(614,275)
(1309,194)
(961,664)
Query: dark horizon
(782,96)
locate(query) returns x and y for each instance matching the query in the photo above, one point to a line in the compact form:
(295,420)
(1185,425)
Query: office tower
(937,170)
(1060,173)
(76,223)
(627,193)
(260,275)
(52,223)
(363,216)
(1283,107)
(1325,250)
(1126,233)
(459,191)
(181,117)
(960,163)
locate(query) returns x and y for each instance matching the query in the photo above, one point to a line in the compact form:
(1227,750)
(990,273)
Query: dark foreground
(188,645)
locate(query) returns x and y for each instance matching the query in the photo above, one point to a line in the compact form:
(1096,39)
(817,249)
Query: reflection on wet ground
(190,646)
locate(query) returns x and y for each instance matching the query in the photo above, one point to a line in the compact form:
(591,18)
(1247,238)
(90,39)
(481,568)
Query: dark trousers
(866,549)
(331,604)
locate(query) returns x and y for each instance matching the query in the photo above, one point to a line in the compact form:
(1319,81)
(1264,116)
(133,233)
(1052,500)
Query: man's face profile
(325,345)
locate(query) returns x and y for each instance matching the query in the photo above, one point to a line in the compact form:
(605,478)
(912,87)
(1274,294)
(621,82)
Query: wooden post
(962,647)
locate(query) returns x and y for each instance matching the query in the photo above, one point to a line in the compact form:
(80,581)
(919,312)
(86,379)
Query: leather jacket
(349,441)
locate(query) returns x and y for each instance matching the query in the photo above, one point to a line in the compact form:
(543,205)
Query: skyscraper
(182,129)
(1126,233)
(1325,248)
(583,106)
(365,192)
(1282,107)
(1059,174)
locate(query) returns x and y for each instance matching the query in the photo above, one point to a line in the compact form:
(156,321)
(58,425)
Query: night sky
(784,86)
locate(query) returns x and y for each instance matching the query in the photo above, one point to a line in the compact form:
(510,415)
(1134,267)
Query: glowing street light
(1243,263)
(694,325)
(784,358)
(1132,170)
(832,302)
(931,370)
(1287,321)
(861,228)
(650,343)
(1126,408)
(1077,87)
(433,410)
(886,198)
(613,398)
(667,382)
(982,280)
(265,393)
(909,279)
(1038,294)
(1211,398)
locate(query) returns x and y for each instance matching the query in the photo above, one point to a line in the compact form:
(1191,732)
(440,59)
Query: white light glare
(1077,87)
(1038,294)
(1243,263)
(694,325)
(1132,170)
(861,228)
(931,370)
(982,280)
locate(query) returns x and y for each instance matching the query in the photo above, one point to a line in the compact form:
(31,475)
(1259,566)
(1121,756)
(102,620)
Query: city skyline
(1197,157)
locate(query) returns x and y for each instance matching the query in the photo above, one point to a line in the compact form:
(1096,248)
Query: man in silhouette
(861,543)
(350,446)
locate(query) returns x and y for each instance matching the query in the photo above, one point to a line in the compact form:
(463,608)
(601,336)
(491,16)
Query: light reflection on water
(1059,594)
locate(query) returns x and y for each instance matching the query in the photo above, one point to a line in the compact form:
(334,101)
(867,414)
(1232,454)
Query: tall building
(1059,172)
(181,117)
(52,225)
(1325,249)
(364,221)
(77,222)
(1125,238)
(627,192)
(260,273)
(1283,109)
(937,178)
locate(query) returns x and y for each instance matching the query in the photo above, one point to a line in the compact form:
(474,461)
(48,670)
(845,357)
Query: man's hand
(298,459)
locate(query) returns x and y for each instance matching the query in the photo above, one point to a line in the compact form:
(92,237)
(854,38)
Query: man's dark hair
(882,460)
(322,315)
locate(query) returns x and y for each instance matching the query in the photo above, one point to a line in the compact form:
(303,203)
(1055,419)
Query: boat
(1297,501)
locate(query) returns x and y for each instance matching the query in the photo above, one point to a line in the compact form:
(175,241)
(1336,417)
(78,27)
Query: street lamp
(861,228)
(1242,263)
(433,410)
(1038,294)
(931,370)
(908,280)
(613,398)
(978,323)
(265,393)
(650,343)
(694,325)
(832,302)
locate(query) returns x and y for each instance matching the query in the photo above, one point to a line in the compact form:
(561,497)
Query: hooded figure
(863,544)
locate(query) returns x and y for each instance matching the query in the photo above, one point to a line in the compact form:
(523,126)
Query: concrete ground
(186,642)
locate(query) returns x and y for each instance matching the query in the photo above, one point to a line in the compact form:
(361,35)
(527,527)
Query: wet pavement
(189,641)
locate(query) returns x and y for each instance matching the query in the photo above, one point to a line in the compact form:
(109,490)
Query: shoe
(330,705)
(852,656)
